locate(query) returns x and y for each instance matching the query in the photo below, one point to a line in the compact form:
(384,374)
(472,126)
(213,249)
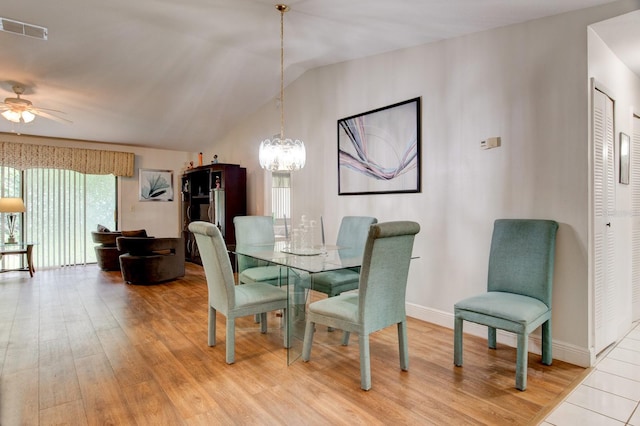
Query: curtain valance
(89,161)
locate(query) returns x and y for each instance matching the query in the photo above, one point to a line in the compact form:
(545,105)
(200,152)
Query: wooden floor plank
(70,413)
(79,346)
(102,395)
(149,404)
(57,374)
(19,397)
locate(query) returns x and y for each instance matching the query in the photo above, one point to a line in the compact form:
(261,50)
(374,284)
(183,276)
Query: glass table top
(312,260)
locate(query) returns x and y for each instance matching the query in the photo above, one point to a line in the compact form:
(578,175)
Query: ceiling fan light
(19,116)
(27,116)
(12,116)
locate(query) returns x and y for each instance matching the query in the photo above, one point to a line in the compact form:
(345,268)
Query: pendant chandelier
(279,154)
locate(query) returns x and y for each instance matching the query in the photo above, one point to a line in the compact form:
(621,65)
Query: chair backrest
(252,230)
(384,273)
(522,255)
(353,232)
(216,263)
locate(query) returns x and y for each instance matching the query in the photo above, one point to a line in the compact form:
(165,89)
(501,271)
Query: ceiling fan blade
(39,108)
(45,114)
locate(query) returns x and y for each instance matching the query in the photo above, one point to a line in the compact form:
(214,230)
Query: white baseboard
(561,351)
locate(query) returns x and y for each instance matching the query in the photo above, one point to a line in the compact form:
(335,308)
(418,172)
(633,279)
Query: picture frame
(625,157)
(379,150)
(155,185)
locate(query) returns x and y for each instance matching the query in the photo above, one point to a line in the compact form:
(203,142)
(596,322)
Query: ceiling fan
(20,110)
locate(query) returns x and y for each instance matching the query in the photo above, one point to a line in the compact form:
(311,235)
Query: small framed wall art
(625,154)
(156,185)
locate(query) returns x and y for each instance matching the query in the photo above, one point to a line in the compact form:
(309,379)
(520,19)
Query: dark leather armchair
(151,260)
(107,253)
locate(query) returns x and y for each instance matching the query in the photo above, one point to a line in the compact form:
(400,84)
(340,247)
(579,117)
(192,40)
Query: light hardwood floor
(78,346)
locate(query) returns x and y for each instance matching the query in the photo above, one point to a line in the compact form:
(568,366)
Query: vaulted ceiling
(178,74)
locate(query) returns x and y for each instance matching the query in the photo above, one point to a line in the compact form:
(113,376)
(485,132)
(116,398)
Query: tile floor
(610,394)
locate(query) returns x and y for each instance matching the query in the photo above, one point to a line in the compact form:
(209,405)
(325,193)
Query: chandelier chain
(282,10)
(280,154)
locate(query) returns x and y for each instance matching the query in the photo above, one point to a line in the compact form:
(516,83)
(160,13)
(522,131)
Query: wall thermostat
(490,143)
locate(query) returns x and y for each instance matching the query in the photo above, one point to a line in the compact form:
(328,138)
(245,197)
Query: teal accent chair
(519,287)
(352,235)
(380,300)
(252,230)
(233,301)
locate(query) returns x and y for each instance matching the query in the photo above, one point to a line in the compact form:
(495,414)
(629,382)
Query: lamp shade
(11,205)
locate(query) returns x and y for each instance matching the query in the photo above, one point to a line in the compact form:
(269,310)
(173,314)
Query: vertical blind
(11,187)
(281,195)
(56,218)
(63,207)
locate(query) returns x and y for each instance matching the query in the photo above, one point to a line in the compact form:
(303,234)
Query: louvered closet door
(635,211)
(604,209)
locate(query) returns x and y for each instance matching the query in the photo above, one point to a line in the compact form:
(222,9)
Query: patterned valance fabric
(89,161)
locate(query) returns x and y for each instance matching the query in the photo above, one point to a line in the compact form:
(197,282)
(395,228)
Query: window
(280,200)
(63,207)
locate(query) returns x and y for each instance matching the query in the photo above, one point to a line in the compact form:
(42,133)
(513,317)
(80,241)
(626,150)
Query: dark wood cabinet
(213,193)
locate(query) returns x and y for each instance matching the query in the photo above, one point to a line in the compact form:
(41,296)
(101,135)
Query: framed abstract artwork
(379,150)
(624,158)
(156,185)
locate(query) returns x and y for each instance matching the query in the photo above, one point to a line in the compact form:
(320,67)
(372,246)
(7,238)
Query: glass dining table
(297,268)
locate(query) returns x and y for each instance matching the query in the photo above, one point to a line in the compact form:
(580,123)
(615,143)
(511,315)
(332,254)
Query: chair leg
(212,326)
(521,363)
(365,362)
(263,322)
(403,346)
(331,329)
(231,340)
(285,328)
(345,338)
(308,340)
(457,341)
(491,338)
(547,345)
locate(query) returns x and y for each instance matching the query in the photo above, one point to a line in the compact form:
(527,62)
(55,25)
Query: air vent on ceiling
(22,28)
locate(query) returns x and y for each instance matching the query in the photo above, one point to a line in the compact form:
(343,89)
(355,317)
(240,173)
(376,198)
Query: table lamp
(11,205)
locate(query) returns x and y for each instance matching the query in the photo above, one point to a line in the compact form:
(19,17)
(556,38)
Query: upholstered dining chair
(232,300)
(380,300)
(519,287)
(352,234)
(252,230)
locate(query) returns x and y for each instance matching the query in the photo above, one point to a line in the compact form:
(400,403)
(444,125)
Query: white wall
(623,86)
(160,219)
(527,84)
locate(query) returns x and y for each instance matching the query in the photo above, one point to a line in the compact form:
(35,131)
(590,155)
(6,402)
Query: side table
(19,249)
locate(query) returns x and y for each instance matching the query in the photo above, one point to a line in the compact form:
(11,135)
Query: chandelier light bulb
(278,155)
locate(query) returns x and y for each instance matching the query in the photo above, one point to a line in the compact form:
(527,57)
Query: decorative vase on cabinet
(213,193)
